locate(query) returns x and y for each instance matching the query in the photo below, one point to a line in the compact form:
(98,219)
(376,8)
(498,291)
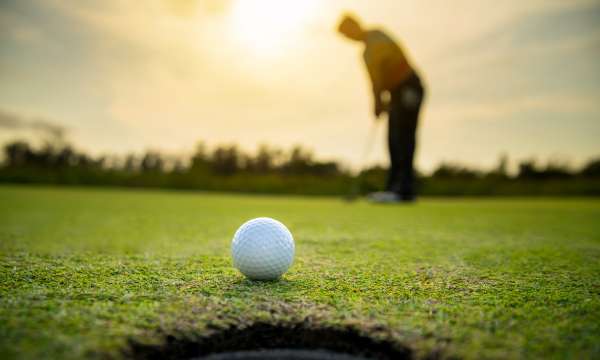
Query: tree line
(278,171)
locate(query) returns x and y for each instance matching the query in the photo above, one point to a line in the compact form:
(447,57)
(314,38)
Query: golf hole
(267,341)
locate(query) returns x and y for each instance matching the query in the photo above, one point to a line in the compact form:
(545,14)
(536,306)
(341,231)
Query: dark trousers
(405,105)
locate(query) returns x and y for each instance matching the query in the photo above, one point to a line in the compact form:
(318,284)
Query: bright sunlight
(268,27)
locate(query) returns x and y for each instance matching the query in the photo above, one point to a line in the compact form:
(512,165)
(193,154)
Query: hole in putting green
(267,341)
(282,354)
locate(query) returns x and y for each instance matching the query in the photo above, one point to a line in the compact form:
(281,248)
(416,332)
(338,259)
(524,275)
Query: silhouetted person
(391,72)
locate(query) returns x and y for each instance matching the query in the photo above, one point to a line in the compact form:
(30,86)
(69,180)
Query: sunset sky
(515,77)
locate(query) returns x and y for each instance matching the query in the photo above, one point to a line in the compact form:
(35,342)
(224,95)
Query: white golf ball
(262,249)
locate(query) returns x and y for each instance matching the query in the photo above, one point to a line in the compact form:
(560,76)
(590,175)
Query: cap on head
(351,28)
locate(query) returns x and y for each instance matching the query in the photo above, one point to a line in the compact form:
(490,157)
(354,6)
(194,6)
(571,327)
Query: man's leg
(406,176)
(408,115)
(393,181)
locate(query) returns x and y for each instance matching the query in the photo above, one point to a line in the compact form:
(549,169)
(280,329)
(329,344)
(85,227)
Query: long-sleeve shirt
(386,62)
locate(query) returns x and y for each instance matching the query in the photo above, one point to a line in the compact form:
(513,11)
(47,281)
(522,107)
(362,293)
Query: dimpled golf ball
(262,249)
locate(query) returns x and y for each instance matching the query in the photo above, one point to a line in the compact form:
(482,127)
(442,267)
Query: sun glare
(269,27)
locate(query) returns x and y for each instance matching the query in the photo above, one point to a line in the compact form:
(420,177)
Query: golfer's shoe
(384,197)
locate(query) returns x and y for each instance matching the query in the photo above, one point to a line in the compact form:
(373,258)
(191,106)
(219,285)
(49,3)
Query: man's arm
(377,91)
(374,62)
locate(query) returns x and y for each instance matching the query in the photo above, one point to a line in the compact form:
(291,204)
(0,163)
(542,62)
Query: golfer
(391,73)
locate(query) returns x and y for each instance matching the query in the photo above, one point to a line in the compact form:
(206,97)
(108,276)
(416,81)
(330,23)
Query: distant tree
(100,162)
(591,169)
(451,171)
(131,164)
(83,161)
(200,162)
(152,162)
(528,170)
(264,161)
(299,161)
(556,171)
(178,166)
(17,153)
(327,168)
(501,170)
(65,157)
(43,157)
(225,160)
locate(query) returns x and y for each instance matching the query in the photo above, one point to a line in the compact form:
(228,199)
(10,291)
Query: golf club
(368,148)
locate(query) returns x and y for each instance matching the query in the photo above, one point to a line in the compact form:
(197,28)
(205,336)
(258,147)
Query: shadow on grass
(244,288)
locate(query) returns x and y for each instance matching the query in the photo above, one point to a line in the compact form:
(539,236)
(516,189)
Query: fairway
(89,272)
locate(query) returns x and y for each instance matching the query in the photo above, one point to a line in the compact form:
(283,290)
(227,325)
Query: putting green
(86,272)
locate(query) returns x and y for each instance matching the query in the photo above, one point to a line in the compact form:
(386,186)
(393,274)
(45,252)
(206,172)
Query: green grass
(83,271)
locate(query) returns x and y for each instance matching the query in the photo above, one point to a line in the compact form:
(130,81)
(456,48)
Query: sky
(520,78)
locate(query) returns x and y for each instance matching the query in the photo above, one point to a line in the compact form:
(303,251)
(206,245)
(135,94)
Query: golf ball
(262,249)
